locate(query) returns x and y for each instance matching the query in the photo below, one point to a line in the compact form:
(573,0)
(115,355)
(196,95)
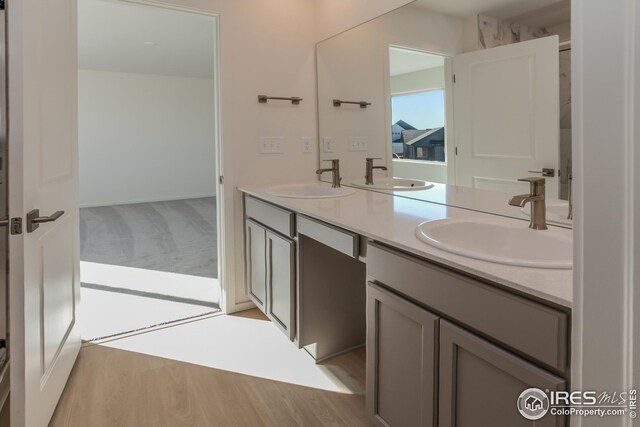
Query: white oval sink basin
(499,242)
(308,191)
(557,211)
(394,184)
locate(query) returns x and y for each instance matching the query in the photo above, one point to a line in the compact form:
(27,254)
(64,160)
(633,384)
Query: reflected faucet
(335,172)
(368,178)
(536,197)
(570,189)
(570,194)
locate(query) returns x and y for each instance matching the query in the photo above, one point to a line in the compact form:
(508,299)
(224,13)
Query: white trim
(421,162)
(151,200)
(631,217)
(411,92)
(605,50)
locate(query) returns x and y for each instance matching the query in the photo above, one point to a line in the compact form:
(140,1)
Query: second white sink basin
(308,191)
(500,242)
(394,184)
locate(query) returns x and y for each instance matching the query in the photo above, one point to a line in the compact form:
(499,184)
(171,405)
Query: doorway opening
(148,169)
(418,114)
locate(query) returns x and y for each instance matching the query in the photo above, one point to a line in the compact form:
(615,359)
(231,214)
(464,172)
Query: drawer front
(537,331)
(278,219)
(336,238)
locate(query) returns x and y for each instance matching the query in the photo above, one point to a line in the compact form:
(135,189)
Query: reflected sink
(394,184)
(499,242)
(557,211)
(308,191)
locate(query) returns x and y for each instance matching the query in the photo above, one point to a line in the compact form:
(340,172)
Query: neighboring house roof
(427,137)
(410,135)
(404,125)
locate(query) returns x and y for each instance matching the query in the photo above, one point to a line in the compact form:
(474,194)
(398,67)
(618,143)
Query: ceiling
(500,8)
(133,38)
(403,61)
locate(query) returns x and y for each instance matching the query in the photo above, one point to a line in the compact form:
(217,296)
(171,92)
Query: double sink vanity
(434,250)
(460,310)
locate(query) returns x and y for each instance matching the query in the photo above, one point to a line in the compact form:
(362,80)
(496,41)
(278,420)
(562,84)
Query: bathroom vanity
(448,337)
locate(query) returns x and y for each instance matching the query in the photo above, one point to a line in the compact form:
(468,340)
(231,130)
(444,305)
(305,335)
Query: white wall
(433,78)
(354,66)
(144,137)
(416,169)
(606,309)
(336,16)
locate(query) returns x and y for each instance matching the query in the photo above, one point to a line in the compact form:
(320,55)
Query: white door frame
(227,291)
(606,105)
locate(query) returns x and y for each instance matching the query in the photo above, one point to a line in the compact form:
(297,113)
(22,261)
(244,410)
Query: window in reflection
(417,105)
(425,141)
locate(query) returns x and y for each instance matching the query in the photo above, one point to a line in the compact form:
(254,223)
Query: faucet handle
(373,158)
(536,185)
(533,180)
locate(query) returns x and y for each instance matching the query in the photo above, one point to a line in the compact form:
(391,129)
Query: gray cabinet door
(281,282)
(256,263)
(480,383)
(401,361)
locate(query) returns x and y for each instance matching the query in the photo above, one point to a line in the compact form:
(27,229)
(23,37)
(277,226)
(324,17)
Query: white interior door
(506,113)
(44,266)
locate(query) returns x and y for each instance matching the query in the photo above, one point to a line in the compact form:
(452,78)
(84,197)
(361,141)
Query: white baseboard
(149,200)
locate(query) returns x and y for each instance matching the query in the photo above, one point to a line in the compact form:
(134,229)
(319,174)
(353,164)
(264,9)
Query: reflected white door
(44,267)
(506,113)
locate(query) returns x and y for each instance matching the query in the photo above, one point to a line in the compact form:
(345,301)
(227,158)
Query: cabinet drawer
(276,218)
(536,330)
(336,238)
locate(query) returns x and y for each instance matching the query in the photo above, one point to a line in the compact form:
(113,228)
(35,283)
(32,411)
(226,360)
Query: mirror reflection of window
(417,105)
(418,126)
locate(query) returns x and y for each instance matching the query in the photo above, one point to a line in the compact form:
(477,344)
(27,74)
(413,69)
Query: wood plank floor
(111,388)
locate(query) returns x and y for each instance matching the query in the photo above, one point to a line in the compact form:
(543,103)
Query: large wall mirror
(454,103)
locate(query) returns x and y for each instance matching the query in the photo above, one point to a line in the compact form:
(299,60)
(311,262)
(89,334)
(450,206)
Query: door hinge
(456,150)
(454,78)
(221,179)
(16,225)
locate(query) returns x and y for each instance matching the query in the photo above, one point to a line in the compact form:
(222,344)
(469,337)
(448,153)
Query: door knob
(548,172)
(34,219)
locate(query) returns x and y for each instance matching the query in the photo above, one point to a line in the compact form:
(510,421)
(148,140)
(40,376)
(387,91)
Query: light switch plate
(307,144)
(271,145)
(358,143)
(327,144)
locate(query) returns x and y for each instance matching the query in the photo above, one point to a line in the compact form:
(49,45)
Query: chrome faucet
(335,172)
(538,205)
(368,178)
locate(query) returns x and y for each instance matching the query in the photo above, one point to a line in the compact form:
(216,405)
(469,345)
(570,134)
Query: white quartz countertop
(392,220)
(493,202)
